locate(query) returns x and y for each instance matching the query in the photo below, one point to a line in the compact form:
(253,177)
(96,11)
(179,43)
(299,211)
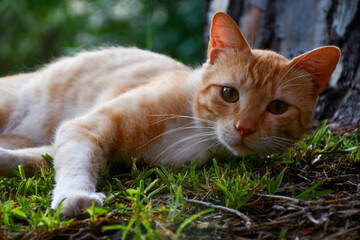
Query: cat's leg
(80,149)
(6,103)
(14,141)
(29,158)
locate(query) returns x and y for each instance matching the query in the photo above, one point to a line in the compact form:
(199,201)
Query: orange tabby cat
(118,103)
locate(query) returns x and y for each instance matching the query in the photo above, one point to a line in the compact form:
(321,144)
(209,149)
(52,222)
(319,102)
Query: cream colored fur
(119,103)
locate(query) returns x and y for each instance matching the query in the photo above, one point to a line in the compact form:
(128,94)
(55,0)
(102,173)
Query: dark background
(34,32)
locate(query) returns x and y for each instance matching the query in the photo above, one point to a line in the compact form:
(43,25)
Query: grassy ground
(311,192)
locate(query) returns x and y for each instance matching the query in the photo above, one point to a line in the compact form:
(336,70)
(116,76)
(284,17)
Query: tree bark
(294,27)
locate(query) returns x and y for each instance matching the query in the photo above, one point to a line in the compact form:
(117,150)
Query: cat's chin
(240,150)
(236,146)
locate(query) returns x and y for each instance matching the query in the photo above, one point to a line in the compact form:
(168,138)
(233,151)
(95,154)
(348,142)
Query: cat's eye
(277,107)
(230,94)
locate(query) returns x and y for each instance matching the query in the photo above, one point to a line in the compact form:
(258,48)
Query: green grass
(151,203)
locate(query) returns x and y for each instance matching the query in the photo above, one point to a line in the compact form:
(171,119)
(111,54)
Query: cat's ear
(224,33)
(320,63)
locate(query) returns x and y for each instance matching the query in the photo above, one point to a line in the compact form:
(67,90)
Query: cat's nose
(244,130)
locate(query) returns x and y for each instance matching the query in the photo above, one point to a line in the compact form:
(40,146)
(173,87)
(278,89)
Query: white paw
(77,201)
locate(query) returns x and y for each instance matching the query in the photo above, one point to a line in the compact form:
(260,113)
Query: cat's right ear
(320,63)
(224,33)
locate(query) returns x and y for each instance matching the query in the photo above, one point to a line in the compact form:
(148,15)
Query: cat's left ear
(320,63)
(224,33)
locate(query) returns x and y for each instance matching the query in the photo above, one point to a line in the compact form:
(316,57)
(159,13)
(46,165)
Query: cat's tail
(30,158)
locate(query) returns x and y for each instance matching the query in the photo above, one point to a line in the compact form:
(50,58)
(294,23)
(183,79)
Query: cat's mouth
(237,145)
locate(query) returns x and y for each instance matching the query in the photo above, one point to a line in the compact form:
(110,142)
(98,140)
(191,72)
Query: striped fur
(119,103)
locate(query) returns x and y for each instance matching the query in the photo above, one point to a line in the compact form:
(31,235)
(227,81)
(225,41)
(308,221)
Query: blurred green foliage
(34,32)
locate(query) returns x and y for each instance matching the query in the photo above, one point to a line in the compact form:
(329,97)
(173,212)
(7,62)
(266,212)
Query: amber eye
(277,107)
(230,94)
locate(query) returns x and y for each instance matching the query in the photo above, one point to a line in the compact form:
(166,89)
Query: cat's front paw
(76,202)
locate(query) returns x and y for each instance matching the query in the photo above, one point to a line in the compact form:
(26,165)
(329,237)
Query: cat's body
(73,87)
(119,103)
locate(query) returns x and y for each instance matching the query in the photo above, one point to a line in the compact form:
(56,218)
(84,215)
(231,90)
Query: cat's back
(127,59)
(104,74)
(108,66)
(114,65)
(73,86)
(92,77)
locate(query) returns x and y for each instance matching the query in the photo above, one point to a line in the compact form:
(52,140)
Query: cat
(117,103)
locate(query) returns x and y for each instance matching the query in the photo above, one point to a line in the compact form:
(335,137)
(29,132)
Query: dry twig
(236,212)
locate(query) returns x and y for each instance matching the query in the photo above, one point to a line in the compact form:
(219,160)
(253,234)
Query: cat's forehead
(263,62)
(259,68)
(268,55)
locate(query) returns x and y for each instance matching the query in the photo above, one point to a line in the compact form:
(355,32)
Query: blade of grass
(190,219)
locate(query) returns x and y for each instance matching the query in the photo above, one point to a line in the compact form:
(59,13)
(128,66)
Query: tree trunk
(294,27)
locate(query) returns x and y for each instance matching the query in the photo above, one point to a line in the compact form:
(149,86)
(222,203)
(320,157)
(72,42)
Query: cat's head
(258,101)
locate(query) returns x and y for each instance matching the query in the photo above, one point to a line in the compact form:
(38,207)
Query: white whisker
(294,78)
(184,116)
(284,139)
(274,144)
(214,137)
(184,127)
(293,67)
(181,141)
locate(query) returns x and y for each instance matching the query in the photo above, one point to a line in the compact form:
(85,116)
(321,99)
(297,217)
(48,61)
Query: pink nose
(243,130)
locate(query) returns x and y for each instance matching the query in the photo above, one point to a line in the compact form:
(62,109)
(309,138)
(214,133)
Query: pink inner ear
(224,34)
(320,63)
(214,54)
